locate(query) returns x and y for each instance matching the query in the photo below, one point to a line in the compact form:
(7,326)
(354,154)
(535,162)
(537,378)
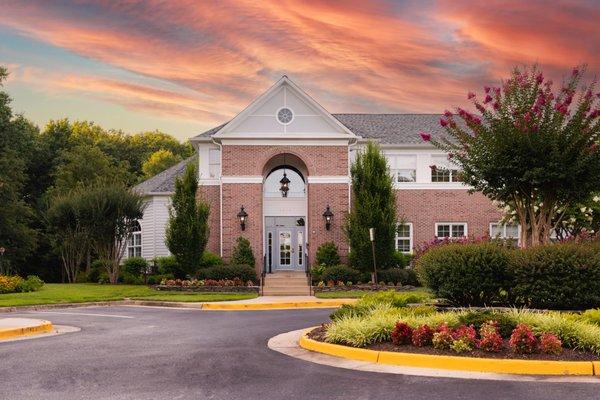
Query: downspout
(220,196)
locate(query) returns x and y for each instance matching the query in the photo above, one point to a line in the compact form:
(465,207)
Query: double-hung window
(443,170)
(134,243)
(214,163)
(404,238)
(452,230)
(403,167)
(508,232)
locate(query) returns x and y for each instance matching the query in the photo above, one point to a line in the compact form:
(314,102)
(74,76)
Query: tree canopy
(531,147)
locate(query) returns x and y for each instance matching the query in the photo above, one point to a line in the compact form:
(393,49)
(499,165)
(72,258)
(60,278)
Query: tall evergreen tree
(187,229)
(373,206)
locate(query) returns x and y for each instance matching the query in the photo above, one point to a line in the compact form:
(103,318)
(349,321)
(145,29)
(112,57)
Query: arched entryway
(285,213)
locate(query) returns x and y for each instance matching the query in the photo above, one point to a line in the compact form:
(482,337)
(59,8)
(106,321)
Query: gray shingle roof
(164,182)
(392,128)
(385,128)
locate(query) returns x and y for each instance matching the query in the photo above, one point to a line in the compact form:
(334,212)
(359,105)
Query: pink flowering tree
(530,147)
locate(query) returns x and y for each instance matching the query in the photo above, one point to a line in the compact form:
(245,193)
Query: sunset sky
(185,66)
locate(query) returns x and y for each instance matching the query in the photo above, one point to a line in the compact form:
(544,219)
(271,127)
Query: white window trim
(503,236)
(435,233)
(410,237)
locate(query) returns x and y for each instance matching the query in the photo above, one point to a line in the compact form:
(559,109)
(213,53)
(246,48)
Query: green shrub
(242,253)
(156,279)
(135,266)
(559,276)
(96,268)
(341,273)
(327,254)
(210,260)
(244,272)
(169,266)
(401,276)
(82,277)
(591,316)
(400,260)
(131,279)
(467,274)
(31,284)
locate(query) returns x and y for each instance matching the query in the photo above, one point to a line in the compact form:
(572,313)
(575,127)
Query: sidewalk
(276,303)
(11,328)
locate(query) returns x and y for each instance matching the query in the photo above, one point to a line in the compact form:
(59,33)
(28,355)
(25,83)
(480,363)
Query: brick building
(284,132)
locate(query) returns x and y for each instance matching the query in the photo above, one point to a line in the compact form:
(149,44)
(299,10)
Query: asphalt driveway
(154,353)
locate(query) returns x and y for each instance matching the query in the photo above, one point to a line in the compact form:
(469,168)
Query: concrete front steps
(287,283)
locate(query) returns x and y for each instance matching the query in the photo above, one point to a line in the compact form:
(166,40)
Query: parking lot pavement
(160,353)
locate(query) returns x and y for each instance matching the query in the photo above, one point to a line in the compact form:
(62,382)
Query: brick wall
(319,196)
(426,207)
(250,160)
(211,195)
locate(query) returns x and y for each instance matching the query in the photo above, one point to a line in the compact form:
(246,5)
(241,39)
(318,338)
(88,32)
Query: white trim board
(328,179)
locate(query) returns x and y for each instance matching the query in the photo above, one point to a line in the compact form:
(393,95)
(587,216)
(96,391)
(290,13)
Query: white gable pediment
(306,119)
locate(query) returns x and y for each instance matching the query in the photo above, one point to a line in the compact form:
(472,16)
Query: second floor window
(403,167)
(442,170)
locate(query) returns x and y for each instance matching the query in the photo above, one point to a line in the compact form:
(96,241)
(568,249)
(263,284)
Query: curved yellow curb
(501,366)
(276,306)
(11,333)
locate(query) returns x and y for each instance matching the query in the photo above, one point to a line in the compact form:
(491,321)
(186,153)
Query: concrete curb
(38,307)
(41,326)
(493,365)
(276,305)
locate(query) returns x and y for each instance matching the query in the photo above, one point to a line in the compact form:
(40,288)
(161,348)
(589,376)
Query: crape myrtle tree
(373,206)
(532,148)
(70,231)
(187,228)
(109,211)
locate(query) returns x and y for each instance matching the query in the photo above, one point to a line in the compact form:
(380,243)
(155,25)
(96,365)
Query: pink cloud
(359,57)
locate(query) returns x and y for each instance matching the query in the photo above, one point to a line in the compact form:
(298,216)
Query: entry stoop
(286,283)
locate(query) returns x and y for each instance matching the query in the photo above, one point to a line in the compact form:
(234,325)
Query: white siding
(153,226)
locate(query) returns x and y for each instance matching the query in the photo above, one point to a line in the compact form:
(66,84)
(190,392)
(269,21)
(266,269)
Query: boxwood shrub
(467,274)
(558,276)
(244,272)
(341,273)
(401,276)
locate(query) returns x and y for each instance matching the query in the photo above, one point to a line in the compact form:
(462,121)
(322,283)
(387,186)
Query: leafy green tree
(109,211)
(84,164)
(159,161)
(242,253)
(373,206)
(531,148)
(16,134)
(187,228)
(70,231)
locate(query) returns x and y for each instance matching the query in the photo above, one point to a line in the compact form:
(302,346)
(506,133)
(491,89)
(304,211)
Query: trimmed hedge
(243,272)
(341,273)
(135,266)
(401,276)
(467,274)
(560,276)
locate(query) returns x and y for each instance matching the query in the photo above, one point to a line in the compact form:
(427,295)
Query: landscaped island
(387,322)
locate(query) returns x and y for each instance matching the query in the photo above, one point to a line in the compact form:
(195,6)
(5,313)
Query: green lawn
(355,294)
(54,293)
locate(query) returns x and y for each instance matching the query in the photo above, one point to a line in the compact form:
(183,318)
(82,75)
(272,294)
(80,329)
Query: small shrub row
(16,284)
(206,282)
(559,276)
(244,272)
(464,338)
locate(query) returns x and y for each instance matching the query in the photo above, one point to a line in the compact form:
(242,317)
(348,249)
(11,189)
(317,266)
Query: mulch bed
(567,355)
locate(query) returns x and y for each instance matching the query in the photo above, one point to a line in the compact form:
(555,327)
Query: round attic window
(285,115)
